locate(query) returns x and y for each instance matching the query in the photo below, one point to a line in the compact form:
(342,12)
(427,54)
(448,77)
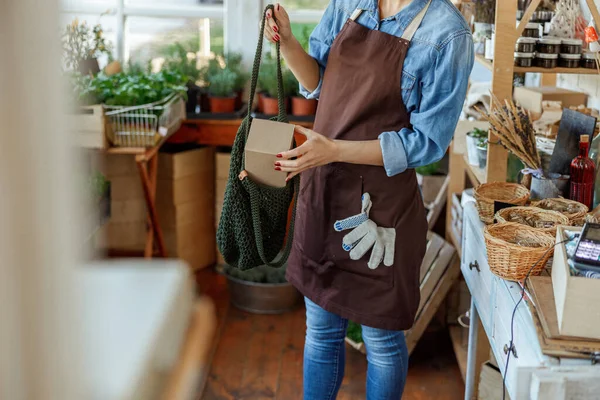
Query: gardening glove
(355,220)
(368,235)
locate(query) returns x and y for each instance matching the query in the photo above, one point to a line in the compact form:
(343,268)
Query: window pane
(71,4)
(175,2)
(151,39)
(305,4)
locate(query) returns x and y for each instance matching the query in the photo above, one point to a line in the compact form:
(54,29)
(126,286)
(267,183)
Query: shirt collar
(404,17)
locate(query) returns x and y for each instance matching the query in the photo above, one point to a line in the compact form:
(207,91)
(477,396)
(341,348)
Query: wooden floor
(259,357)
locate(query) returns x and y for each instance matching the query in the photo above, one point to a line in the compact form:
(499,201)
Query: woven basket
(580,221)
(578,210)
(488,193)
(533,215)
(512,261)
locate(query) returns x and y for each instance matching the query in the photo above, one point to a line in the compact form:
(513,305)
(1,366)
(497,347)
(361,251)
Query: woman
(391,77)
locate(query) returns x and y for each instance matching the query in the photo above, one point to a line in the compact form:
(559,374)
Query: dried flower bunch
(512,125)
(81,41)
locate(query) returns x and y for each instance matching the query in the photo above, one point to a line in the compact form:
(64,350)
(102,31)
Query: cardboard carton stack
(222,172)
(184,200)
(126,229)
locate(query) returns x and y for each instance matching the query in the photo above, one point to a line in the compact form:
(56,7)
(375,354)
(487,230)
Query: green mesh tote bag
(252,229)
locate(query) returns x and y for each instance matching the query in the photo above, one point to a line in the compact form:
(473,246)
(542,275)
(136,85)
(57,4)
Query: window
(151,39)
(305,4)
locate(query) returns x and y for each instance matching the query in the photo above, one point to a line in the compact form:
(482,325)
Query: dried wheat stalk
(512,125)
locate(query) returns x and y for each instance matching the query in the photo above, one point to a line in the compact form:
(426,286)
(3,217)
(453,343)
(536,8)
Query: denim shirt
(434,79)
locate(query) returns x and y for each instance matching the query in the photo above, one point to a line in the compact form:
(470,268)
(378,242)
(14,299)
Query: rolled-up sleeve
(318,47)
(433,123)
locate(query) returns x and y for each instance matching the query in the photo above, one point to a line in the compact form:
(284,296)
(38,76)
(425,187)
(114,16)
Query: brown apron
(361,98)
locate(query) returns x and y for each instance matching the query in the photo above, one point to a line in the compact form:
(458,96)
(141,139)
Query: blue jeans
(325,356)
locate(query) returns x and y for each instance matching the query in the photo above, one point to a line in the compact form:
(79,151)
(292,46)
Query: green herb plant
(81,41)
(290,84)
(130,89)
(480,135)
(354,332)
(428,170)
(178,60)
(222,83)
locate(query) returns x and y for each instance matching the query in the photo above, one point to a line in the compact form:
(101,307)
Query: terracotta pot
(222,104)
(270,106)
(89,66)
(302,106)
(260,104)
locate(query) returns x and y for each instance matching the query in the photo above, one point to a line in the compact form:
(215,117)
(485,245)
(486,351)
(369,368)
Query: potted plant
(473,138)
(82,44)
(221,91)
(354,337)
(233,61)
(267,84)
(300,105)
(185,63)
(482,148)
(261,290)
(430,180)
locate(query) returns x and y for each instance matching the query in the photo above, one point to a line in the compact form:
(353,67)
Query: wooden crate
(86,126)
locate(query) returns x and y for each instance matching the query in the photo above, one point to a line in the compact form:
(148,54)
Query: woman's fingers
(273,27)
(304,131)
(296,152)
(281,13)
(269,35)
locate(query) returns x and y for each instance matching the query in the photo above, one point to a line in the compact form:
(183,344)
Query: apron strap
(356,14)
(416,22)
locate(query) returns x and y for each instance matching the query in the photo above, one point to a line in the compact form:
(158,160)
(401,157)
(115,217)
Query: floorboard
(259,357)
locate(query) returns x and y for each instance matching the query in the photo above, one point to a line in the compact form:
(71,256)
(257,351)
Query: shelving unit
(463,175)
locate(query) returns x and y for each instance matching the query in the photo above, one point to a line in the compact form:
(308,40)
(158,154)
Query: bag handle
(282,115)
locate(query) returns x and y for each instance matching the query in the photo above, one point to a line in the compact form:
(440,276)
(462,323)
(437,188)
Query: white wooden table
(530,374)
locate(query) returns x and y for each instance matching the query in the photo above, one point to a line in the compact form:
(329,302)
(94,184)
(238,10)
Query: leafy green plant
(222,83)
(261,274)
(290,84)
(267,77)
(81,41)
(428,170)
(231,61)
(354,332)
(130,89)
(478,133)
(178,60)
(97,185)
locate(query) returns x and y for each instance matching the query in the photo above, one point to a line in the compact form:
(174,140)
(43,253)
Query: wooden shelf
(520,70)
(459,350)
(456,243)
(476,175)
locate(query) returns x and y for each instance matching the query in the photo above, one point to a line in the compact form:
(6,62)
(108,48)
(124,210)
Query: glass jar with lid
(525,44)
(524,59)
(546,60)
(569,60)
(571,46)
(532,29)
(549,45)
(588,60)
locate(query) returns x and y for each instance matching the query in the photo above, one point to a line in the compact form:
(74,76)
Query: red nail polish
(279,156)
(277,169)
(277,6)
(275,28)
(277,38)
(278,164)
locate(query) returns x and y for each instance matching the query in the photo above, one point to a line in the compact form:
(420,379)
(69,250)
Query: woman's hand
(316,151)
(280,31)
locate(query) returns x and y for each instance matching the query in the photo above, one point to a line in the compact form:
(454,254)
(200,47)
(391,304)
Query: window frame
(240,19)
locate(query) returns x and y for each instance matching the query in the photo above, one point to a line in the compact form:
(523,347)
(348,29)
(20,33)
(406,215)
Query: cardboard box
(193,242)
(576,298)
(265,140)
(222,162)
(531,98)
(185,163)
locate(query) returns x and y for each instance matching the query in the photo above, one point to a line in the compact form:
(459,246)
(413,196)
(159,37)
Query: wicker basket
(580,221)
(531,216)
(488,193)
(578,210)
(512,261)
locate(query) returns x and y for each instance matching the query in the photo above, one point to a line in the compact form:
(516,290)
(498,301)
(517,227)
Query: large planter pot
(220,105)
(89,66)
(263,298)
(302,106)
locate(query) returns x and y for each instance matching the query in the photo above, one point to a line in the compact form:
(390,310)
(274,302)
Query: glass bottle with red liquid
(583,174)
